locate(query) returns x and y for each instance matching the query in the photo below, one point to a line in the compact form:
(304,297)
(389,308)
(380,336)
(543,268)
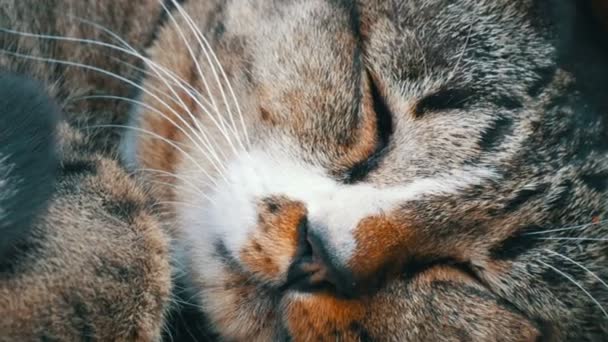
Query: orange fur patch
(366,138)
(323,317)
(272,247)
(382,244)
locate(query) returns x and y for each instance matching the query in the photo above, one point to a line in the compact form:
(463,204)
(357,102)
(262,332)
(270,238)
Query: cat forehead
(306,61)
(406,40)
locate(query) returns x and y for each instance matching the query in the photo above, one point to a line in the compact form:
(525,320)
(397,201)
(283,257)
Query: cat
(384,170)
(379,170)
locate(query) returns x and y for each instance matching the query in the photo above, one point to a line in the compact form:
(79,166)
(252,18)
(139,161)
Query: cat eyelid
(384,116)
(384,131)
(442,100)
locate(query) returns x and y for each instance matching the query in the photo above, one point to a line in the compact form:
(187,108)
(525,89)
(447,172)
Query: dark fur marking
(551,277)
(516,245)
(223,254)
(82,320)
(508,102)
(18,253)
(162,19)
(470,290)
(384,127)
(78,167)
(597,182)
(45,337)
(219,30)
(545,76)
(444,99)
(561,199)
(185,321)
(496,134)
(360,330)
(123,209)
(121,273)
(284,336)
(524,196)
(272,205)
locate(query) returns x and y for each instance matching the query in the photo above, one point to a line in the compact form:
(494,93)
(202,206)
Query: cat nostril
(313,268)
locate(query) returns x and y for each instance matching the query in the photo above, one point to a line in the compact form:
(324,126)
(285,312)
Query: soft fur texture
(94,264)
(327,170)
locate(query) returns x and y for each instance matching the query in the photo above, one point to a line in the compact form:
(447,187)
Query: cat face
(381,169)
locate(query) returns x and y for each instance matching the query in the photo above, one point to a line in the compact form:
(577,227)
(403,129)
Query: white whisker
(173,186)
(173,175)
(195,60)
(129,50)
(576,227)
(462,53)
(111,74)
(217,164)
(195,206)
(167,141)
(573,239)
(577,285)
(201,38)
(579,265)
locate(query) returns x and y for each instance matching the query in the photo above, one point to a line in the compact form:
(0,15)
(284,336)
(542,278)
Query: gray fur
(513,87)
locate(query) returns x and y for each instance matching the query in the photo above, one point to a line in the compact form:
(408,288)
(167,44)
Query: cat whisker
(577,284)
(173,203)
(213,158)
(202,76)
(185,303)
(462,53)
(128,46)
(142,71)
(209,51)
(105,72)
(193,57)
(132,52)
(593,274)
(102,28)
(173,186)
(575,227)
(173,175)
(573,238)
(165,140)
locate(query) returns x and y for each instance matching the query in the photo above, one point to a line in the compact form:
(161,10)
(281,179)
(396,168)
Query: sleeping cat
(380,170)
(384,170)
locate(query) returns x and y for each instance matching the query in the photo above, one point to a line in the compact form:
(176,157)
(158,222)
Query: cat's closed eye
(384,119)
(442,100)
(384,131)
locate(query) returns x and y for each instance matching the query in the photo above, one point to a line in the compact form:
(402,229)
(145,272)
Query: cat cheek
(383,245)
(238,309)
(322,317)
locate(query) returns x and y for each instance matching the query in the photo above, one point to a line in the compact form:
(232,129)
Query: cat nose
(314,268)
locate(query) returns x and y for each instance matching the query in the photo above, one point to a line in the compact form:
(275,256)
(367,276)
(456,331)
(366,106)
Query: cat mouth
(307,272)
(310,269)
(307,277)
